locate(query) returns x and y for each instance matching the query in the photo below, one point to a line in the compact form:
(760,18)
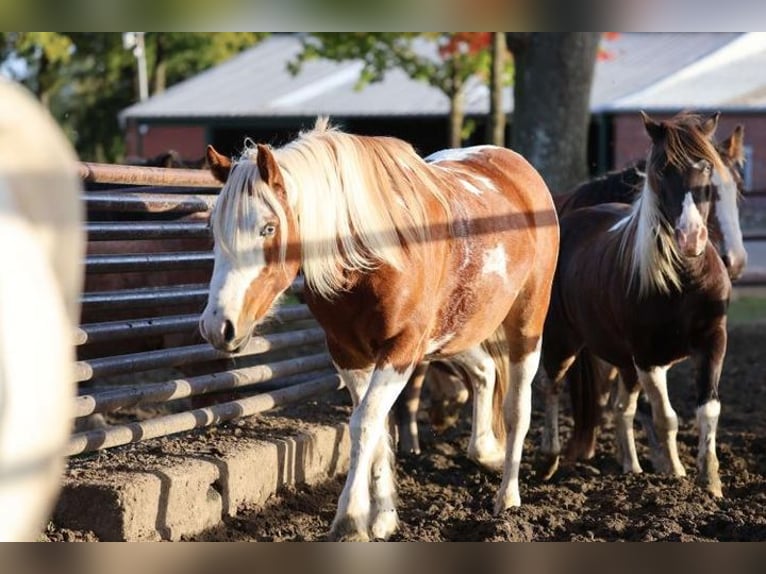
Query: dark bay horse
(641,288)
(590,379)
(403,259)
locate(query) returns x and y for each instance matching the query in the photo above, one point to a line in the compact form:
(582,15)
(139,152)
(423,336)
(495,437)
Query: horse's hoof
(547,465)
(711,482)
(347,530)
(490,458)
(384,524)
(503,503)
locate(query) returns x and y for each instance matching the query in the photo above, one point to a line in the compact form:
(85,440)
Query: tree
(87,78)
(553,77)
(39,56)
(497,82)
(456,57)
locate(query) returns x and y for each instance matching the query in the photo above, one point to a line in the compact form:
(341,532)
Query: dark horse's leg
(709,361)
(624,412)
(654,381)
(557,358)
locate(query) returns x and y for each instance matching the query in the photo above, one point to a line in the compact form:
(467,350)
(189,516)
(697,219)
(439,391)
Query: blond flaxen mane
(358,200)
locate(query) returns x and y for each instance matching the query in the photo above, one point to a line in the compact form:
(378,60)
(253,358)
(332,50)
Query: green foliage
(87,78)
(454,57)
(445,60)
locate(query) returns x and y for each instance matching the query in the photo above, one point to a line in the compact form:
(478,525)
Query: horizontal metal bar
(752,277)
(140,230)
(755,236)
(137,262)
(144,297)
(155,296)
(176,357)
(141,175)
(152,326)
(199,418)
(145,203)
(126,396)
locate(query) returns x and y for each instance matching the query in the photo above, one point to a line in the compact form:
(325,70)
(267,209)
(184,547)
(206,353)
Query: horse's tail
(588,382)
(497,347)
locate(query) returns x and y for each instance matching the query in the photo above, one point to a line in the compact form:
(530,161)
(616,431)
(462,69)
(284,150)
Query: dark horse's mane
(622,186)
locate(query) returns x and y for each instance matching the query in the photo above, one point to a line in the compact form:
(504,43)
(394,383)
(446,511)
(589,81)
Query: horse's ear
(710,123)
(656,130)
(734,145)
(268,168)
(220,165)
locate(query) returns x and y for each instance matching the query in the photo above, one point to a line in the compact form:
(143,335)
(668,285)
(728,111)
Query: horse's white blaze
(727,215)
(691,218)
(457,154)
(496,262)
(434,345)
(233,273)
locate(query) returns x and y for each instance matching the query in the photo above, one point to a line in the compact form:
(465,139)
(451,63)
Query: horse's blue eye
(268,230)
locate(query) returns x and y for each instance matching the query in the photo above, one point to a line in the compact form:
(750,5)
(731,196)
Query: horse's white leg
(368,428)
(483,447)
(624,413)
(518,410)
(384,519)
(707,460)
(654,382)
(357,381)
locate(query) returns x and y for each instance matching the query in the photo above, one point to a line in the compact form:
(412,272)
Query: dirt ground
(445,497)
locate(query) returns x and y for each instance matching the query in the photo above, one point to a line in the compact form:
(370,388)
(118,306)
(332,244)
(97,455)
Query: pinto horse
(41,251)
(403,259)
(597,380)
(641,287)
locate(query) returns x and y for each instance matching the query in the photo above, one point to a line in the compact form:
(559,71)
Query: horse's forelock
(684,144)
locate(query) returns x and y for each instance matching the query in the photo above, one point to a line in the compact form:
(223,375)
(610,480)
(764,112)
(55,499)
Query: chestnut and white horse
(404,259)
(41,251)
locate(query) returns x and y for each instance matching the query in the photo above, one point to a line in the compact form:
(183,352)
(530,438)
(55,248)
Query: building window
(748,169)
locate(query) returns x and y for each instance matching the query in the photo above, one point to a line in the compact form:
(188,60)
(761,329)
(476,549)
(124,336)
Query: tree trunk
(554,72)
(159,72)
(456,108)
(496,124)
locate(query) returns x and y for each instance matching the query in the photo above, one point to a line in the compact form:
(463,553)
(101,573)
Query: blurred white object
(41,251)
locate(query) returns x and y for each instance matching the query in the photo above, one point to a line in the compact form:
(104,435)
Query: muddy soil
(445,497)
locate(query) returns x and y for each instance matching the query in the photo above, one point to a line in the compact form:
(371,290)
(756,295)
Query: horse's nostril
(228,331)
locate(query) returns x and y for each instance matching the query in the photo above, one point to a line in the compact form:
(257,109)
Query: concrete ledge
(187,494)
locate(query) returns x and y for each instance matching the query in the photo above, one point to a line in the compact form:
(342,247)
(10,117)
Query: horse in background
(403,260)
(41,250)
(448,384)
(726,236)
(642,288)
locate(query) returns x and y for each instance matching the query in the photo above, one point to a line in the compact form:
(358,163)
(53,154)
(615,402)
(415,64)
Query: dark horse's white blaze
(403,259)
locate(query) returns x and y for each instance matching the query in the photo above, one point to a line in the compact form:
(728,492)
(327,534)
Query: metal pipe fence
(141,209)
